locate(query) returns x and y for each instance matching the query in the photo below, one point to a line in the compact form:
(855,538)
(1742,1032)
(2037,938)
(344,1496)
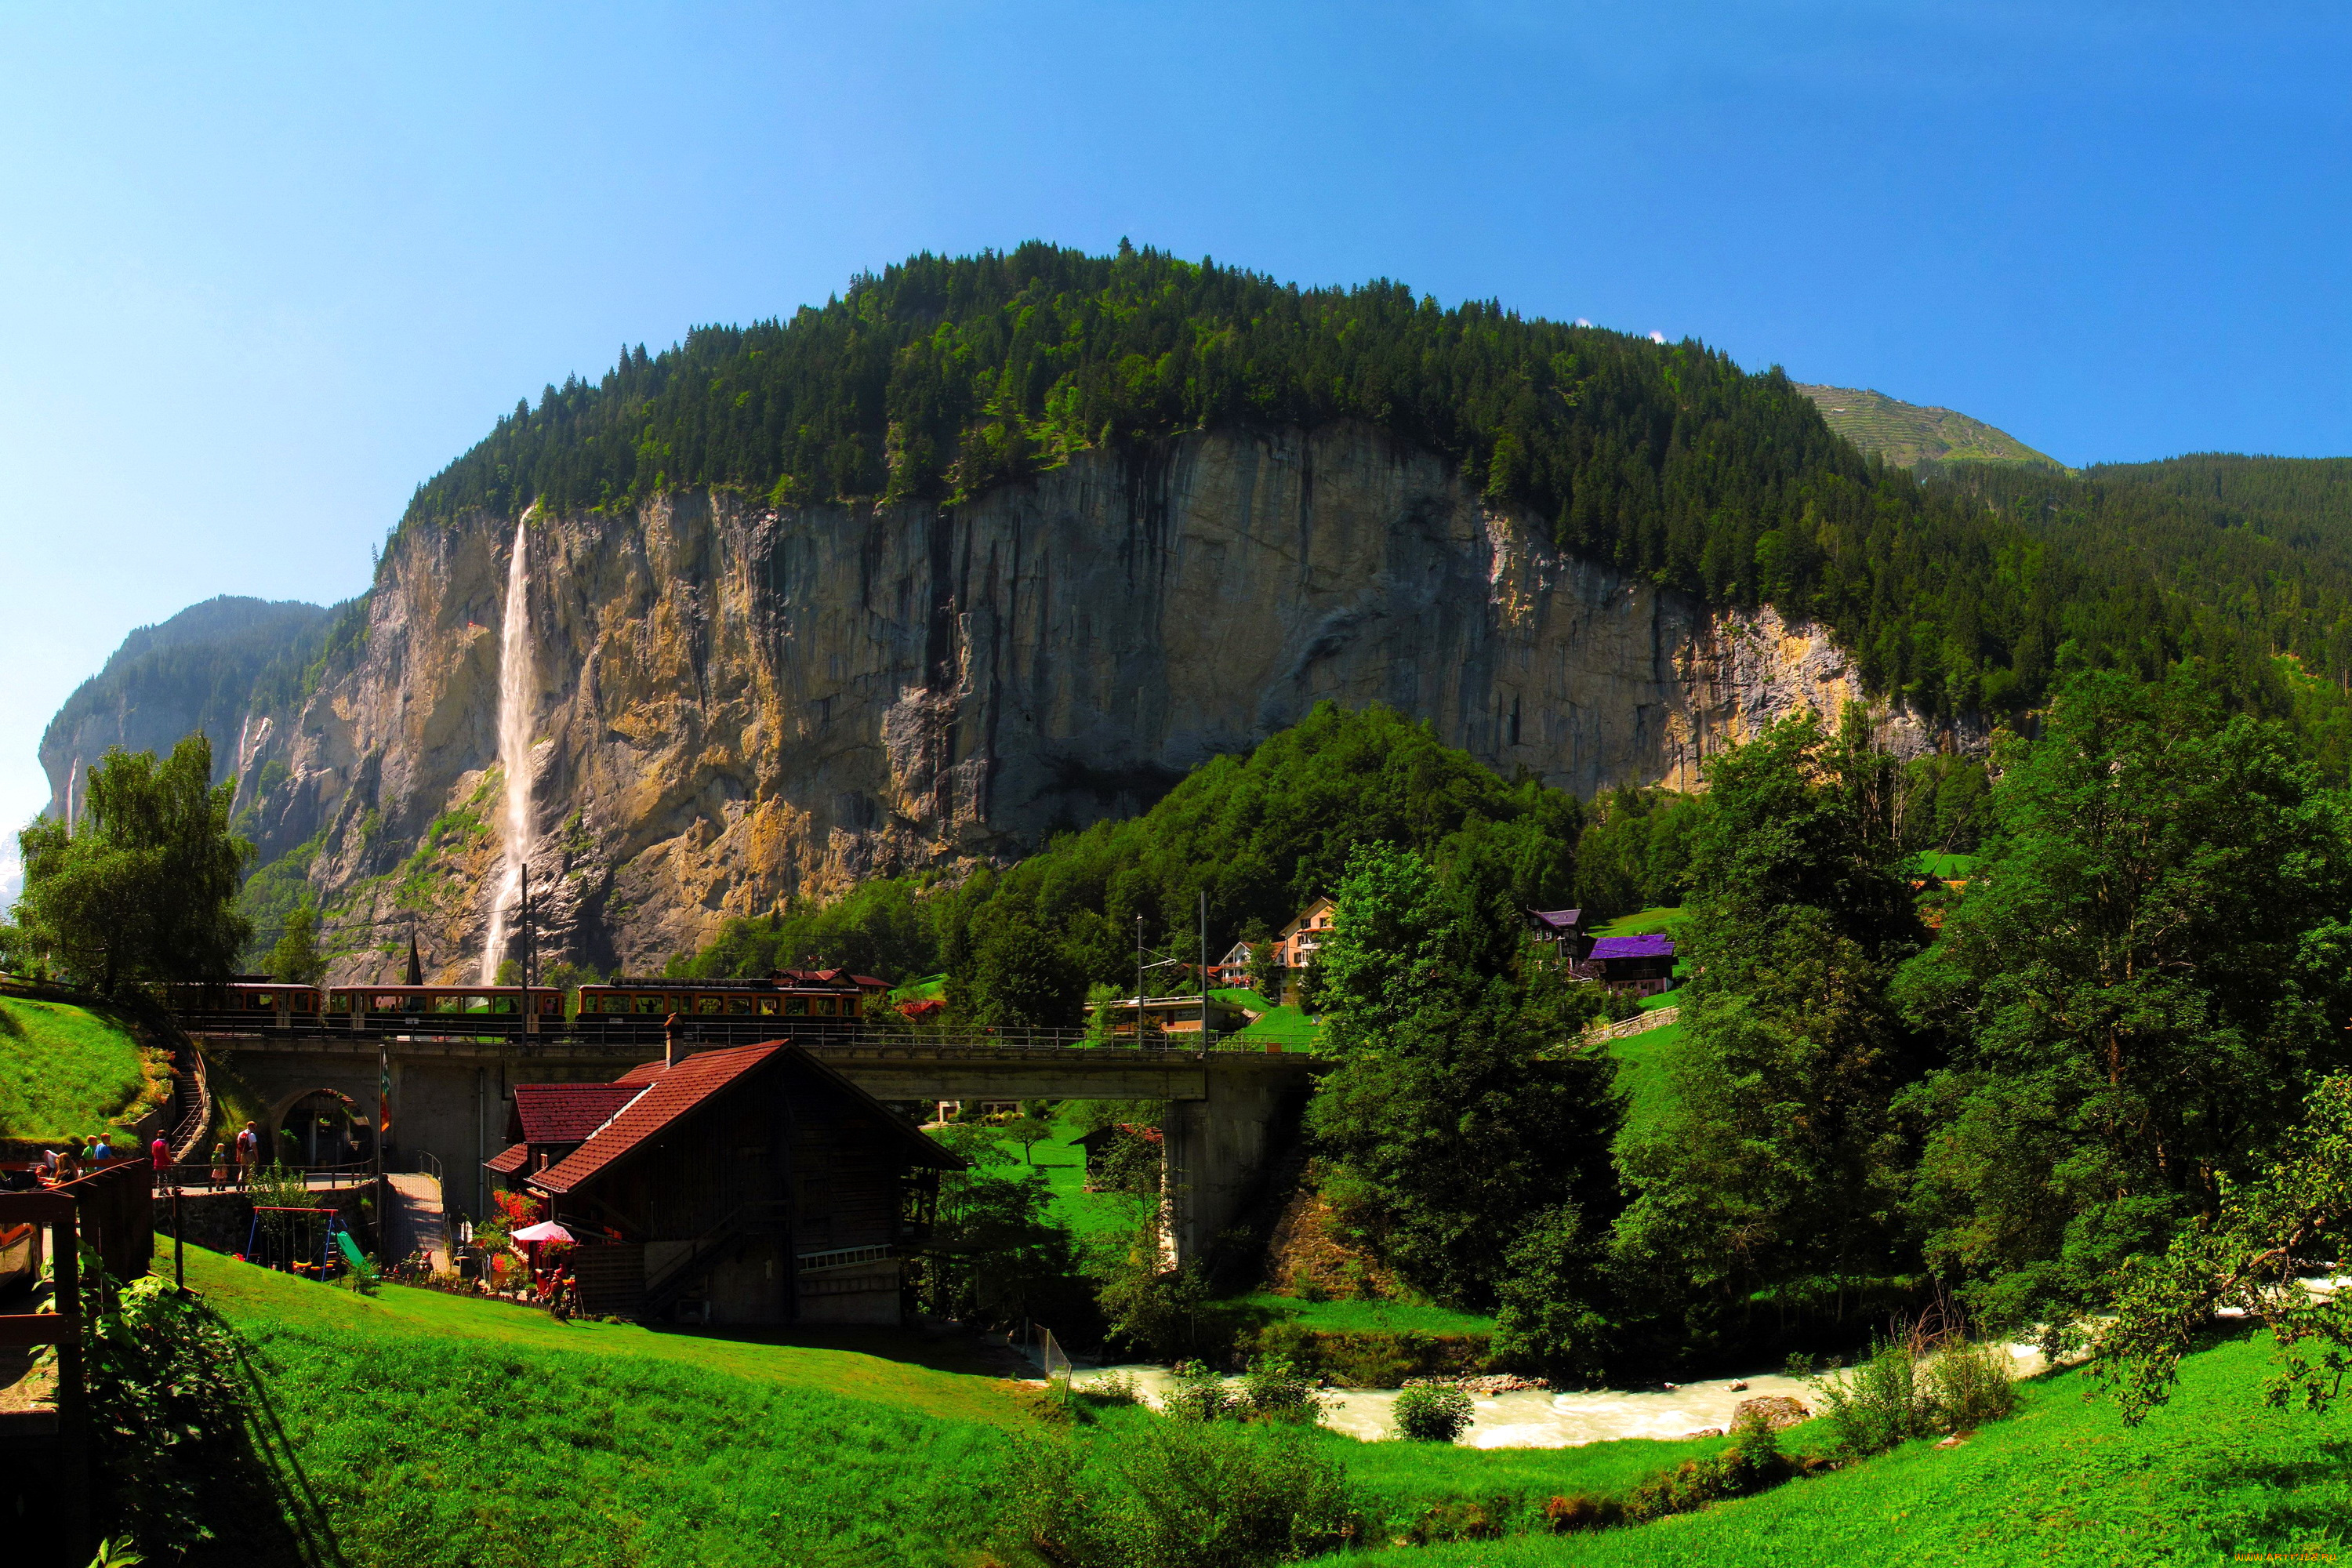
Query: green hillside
(2218,1477)
(65,1071)
(1907,434)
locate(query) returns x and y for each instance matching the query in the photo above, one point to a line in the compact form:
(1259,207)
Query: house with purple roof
(1634,965)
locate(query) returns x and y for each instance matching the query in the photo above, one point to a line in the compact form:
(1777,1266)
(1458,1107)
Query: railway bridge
(447,1096)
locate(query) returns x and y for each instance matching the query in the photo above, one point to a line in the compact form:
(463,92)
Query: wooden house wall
(845,1167)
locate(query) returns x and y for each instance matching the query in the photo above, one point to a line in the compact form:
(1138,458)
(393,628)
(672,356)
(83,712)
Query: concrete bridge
(448,1097)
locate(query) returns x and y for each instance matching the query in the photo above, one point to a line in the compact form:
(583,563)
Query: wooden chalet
(751,1185)
(1631,965)
(1563,931)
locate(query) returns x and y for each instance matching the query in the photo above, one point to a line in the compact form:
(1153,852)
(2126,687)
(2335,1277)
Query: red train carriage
(250,1000)
(826,996)
(456,1009)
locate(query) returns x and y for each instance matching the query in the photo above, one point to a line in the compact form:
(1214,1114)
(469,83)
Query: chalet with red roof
(753,1186)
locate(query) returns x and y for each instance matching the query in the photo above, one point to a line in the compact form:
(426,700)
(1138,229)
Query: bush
(165,1402)
(1433,1411)
(1199,1394)
(1970,1382)
(1582,1511)
(1915,1384)
(1157,1493)
(1276,1389)
(1751,1463)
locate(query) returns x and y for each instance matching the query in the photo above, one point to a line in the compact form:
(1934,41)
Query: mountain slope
(992,547)
(1907,434)
(198,670)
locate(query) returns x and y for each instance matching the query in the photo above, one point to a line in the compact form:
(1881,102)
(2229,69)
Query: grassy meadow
(427,1429)
(66,1069)
(2213,1478)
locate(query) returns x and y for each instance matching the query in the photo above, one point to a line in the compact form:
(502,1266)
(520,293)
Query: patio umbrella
(545,1230)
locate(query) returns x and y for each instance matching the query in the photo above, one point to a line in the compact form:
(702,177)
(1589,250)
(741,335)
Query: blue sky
(264,269)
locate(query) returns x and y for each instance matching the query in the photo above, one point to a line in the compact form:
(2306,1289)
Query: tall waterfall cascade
(515,831)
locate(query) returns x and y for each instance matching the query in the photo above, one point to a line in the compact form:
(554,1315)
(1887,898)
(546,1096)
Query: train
(624,1007)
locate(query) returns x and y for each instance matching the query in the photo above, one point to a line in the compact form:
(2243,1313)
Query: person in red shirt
(159,1154)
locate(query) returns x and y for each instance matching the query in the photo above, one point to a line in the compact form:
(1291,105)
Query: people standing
(248,1155)
(220,1162)
(100,1151)
(159,1154)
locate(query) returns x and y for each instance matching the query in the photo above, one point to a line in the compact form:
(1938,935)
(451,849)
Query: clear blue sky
(262,270)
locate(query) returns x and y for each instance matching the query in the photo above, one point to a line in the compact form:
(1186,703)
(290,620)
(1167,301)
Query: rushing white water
(514,757)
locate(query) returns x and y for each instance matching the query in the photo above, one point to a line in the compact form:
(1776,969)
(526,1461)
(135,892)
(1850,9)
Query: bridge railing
(637,1033)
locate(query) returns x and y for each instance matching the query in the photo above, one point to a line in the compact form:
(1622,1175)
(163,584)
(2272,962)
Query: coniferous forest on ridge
(1965,589)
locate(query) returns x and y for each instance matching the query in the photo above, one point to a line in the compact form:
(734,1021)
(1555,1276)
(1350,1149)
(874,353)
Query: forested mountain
(940,378)
(199,670)
(1906,435)
(992,547)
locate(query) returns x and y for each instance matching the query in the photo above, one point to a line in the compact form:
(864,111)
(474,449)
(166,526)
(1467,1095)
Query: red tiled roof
(674,1093)
(871,982)
(508,1163)
(567,1112)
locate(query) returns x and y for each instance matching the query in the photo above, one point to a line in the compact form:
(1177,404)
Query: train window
(707,1003)
(767,1004)
(649,1004)
(739,1005)
(825,1007)
(796,1006)
(849,1008)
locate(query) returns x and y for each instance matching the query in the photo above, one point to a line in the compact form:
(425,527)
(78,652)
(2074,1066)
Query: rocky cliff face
(737,703)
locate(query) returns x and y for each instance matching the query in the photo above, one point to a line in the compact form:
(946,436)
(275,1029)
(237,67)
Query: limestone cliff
(738,702)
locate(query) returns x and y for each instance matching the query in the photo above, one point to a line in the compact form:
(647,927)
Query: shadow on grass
(959,1350)
(2304,1502)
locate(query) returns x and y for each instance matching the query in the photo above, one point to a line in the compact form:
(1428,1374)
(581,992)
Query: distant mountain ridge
(198,670)
(1908,434)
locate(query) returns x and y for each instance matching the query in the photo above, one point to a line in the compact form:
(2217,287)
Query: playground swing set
(313,1243)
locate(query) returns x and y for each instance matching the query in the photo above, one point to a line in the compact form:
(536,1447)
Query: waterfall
(514,755)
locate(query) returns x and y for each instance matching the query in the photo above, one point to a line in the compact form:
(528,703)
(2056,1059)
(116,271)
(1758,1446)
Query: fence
(1046,1350)
(1657,1019)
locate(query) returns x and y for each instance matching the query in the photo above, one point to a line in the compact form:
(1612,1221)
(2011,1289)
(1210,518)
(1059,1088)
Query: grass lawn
(1064,1167)
(1643,1073)
(1242,996)
(1368,1317)
(2215,1477)
(1289,1027)
(66,1069)
(1666,918)
(923,988)
(435,1430)
(1663,999)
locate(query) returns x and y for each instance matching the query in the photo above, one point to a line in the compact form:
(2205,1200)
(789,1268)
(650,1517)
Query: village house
(1631,965)
(753,1185)
(1561,930)
(1178,1015)
(1295,945)
(1233,971)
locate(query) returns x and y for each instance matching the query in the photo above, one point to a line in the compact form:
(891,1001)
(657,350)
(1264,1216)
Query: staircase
(418,1219)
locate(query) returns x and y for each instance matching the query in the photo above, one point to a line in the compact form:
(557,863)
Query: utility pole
(1139,981)
(1204,969)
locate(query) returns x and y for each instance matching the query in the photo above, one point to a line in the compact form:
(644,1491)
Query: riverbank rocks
(1776,1410)
(1493,1384)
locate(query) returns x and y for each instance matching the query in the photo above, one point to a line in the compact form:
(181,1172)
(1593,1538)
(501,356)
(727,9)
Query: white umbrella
(545,1230)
